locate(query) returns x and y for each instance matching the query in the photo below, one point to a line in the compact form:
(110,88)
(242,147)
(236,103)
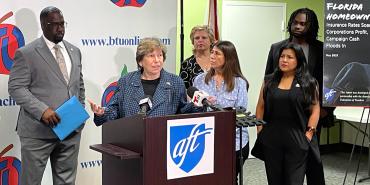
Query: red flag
(212,18)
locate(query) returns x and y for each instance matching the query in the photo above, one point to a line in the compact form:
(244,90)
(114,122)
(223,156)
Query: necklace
(218,80)
(203,62)
(206,68)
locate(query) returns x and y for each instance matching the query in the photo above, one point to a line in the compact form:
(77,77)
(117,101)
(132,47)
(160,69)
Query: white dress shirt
(67,59)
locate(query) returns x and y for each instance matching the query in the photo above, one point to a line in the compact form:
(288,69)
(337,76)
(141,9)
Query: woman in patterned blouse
(202,38)
(227,87)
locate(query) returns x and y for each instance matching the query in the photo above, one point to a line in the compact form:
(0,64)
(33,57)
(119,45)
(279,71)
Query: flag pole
(212,18)
(181,30)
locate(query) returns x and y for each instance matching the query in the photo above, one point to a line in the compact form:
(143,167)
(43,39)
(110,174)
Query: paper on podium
(72,115)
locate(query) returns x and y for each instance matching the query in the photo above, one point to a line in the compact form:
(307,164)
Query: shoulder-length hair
(231,68)
(148,45)
(204,28)
(302,75)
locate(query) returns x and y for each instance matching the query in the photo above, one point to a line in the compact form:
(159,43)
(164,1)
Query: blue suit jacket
(169,98)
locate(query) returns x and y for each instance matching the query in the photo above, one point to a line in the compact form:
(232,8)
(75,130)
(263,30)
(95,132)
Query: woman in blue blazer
(150,80)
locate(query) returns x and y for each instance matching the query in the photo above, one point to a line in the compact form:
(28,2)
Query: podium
(134,151)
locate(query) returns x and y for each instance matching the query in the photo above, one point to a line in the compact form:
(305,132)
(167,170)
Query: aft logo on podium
(190,147)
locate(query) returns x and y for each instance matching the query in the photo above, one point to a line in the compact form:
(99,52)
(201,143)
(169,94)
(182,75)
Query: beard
(300,35)
(58,37)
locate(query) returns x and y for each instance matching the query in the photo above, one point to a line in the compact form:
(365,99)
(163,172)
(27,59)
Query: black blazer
(315,64)
(315,58)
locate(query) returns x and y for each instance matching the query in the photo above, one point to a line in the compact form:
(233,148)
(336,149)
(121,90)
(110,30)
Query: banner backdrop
(107,32)
(346,53)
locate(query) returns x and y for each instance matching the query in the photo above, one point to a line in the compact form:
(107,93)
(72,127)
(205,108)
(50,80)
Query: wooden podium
(134,151)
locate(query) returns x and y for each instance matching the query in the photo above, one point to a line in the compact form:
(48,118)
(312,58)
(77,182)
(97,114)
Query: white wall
(102,64)
(253,27)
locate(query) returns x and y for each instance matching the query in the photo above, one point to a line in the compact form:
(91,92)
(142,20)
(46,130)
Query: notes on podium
(72,115)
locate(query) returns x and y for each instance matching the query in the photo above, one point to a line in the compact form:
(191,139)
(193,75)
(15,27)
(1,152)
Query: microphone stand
(244,119)
(241,154)
(363,115)
(181,30)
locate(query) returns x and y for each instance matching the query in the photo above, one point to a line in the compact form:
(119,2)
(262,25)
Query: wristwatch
(311,129)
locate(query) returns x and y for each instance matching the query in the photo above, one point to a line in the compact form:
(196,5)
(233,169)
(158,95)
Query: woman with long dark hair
(289,103)
(225,83)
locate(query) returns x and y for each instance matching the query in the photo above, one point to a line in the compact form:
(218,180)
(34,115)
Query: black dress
(189,70)
(283,138)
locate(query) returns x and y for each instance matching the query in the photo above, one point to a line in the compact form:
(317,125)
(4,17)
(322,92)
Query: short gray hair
(148,45)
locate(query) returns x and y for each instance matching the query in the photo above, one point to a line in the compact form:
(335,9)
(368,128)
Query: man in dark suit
(303,27)
(46,73)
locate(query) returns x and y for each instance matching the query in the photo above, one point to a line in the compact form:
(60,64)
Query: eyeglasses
(57,24)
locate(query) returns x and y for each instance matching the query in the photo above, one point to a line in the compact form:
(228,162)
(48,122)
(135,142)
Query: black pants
(314,169)
(245,153)
(285,149)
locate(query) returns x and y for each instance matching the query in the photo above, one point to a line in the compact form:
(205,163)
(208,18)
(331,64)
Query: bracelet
(311,129)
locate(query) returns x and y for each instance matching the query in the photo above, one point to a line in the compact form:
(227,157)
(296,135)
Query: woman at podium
(150,90)
(227,87)
(289,103)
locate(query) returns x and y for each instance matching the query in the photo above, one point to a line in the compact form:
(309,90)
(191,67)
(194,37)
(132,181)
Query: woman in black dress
(202,38)
(289,103)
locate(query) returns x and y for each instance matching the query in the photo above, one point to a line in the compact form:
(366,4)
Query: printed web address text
(91,164)
(117,41)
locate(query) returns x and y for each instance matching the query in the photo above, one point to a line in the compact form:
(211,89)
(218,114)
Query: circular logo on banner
(108,94)
(11,38)
(10,168)
(109,91)
(135,3)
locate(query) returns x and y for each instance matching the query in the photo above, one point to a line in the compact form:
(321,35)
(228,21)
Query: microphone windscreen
(149,97)
(145,104)
(146,99)
(191,90)
(150,101)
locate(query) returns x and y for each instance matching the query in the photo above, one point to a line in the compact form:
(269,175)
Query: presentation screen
(346,53)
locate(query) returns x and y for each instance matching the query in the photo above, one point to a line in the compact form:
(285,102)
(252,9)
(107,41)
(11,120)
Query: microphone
(199,98)
(145,104)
